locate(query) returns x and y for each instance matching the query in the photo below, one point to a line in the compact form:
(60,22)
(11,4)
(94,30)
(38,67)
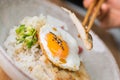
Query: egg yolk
(57,46)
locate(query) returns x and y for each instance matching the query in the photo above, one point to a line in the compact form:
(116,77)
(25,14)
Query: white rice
(24,58)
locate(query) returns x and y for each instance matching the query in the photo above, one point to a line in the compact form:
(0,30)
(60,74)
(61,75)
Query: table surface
(106,37)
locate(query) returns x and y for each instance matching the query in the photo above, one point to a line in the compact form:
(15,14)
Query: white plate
(99,62)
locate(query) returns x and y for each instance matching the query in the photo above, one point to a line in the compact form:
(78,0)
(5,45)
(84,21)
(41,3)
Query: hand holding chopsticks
(83,29)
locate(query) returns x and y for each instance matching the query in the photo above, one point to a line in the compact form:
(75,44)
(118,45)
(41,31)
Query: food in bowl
(42,47)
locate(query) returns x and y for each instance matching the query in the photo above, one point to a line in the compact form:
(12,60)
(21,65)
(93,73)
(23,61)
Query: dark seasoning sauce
(59,41)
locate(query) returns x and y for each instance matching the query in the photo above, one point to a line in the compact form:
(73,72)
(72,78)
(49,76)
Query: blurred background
(77,5)
(76,2)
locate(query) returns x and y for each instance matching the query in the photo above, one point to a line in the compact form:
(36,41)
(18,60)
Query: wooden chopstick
(90,9)
(94,15)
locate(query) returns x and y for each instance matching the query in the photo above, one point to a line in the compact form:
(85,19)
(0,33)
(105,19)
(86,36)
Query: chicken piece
(86,37)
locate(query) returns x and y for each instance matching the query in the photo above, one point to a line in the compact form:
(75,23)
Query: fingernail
(104,6)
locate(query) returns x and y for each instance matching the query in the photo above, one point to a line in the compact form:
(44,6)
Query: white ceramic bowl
(99,62)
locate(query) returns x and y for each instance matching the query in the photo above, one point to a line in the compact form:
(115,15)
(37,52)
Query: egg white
(73,59)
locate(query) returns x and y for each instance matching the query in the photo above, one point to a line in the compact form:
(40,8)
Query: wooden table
(106,37)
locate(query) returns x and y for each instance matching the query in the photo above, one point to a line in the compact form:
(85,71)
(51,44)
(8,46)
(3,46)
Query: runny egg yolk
(57,46)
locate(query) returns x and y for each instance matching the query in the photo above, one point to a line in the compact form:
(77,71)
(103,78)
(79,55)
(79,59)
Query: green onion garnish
(26,35)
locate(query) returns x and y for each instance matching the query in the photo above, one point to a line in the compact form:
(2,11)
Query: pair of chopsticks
(95,4)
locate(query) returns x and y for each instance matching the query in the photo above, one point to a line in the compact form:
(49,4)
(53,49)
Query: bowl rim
(9,60)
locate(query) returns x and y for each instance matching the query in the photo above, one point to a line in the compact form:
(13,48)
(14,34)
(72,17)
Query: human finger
(87,3)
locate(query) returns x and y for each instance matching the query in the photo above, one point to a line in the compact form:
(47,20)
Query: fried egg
(59,47)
